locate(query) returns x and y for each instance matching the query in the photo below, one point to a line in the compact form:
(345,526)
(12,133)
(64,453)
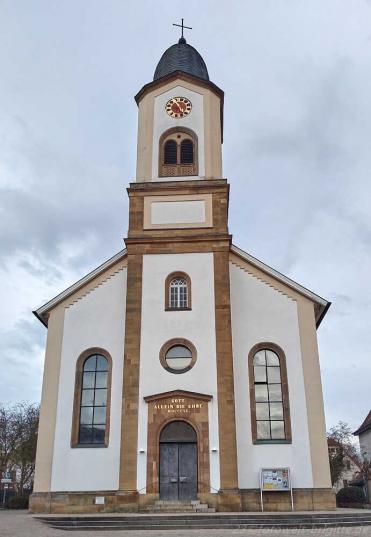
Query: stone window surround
(172,343)
(285,393)
(77,398)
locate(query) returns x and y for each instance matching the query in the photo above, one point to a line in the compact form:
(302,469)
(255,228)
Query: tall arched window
(269,397)
(90,425)
(178,291)
(178,153)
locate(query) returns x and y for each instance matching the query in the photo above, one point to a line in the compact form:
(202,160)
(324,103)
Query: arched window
(178,291)
(178,153)
(178,355)
(269,397)
(92,399)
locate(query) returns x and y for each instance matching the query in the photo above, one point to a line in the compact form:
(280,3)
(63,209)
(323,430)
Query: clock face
(178,107)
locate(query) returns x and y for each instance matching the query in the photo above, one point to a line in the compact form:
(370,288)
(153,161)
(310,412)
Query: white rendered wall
(260,313)
(163,122)
(97,320)
(158,326)
(365,444)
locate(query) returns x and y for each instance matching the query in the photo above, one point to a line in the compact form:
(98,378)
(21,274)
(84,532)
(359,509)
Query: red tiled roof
(365,425)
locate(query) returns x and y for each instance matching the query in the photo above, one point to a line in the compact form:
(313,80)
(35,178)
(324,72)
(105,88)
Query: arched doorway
(178,462)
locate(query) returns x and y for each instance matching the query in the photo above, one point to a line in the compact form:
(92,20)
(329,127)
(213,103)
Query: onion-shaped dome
(181,57)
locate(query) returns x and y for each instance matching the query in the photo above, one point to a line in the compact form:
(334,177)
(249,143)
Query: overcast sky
(297,153)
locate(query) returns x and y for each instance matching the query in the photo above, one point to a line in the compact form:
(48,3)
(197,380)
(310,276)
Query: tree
(18,438)
(365,474)
(337,465)
(8,436)
(343,440)
(342,434)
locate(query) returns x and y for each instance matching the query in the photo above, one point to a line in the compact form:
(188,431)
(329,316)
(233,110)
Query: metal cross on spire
(182,27)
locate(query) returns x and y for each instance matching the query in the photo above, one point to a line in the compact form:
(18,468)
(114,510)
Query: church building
(182,367)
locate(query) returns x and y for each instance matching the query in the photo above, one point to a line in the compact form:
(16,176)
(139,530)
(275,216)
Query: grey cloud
(296,152)
(24,348)
(63,203)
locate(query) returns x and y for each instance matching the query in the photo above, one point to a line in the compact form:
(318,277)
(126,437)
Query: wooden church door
(178,462)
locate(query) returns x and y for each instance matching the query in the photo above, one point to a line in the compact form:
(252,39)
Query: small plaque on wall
(99,500)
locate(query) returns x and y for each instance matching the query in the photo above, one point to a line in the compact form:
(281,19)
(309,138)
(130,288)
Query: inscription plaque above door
(171,408)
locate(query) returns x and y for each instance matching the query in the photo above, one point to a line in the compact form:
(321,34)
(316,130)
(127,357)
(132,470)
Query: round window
(177,357)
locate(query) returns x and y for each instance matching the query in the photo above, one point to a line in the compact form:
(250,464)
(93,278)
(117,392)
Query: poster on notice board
(275,479)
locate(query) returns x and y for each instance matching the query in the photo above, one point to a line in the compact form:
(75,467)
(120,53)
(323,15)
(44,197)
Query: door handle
(183,479)
(173,480)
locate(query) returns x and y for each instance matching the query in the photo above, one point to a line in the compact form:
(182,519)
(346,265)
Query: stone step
(222,516)
(168,506)
(175,502)
(178,509)
(208,521)
(179,527)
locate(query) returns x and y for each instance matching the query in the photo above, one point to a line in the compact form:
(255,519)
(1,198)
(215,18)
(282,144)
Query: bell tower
(179,185)
(180,120)
(178,221)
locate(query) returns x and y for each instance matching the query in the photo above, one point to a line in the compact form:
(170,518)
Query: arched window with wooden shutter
(178,153)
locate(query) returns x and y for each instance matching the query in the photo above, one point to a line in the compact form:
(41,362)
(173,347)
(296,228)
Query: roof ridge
(365,425)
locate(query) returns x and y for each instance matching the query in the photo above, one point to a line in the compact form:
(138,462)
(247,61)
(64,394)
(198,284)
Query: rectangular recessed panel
(178,212)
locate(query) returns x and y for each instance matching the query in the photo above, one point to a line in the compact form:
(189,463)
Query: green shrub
(19,501)
(350,496)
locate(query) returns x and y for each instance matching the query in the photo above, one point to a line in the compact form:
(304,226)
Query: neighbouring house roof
(332,443)
(365,426)
(321,305)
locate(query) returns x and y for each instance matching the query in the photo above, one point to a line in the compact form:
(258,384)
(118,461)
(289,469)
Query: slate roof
(366,425)
(181,57)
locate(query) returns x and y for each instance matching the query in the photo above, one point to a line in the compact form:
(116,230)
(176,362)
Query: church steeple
(180,120)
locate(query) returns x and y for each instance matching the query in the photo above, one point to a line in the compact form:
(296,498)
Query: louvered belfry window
(178,153)
(170,152)
(178,293)
(186,152)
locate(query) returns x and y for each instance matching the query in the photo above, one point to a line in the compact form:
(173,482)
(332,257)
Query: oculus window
(178,355)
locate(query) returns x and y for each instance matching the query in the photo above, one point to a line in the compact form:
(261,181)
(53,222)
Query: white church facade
(182,366)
